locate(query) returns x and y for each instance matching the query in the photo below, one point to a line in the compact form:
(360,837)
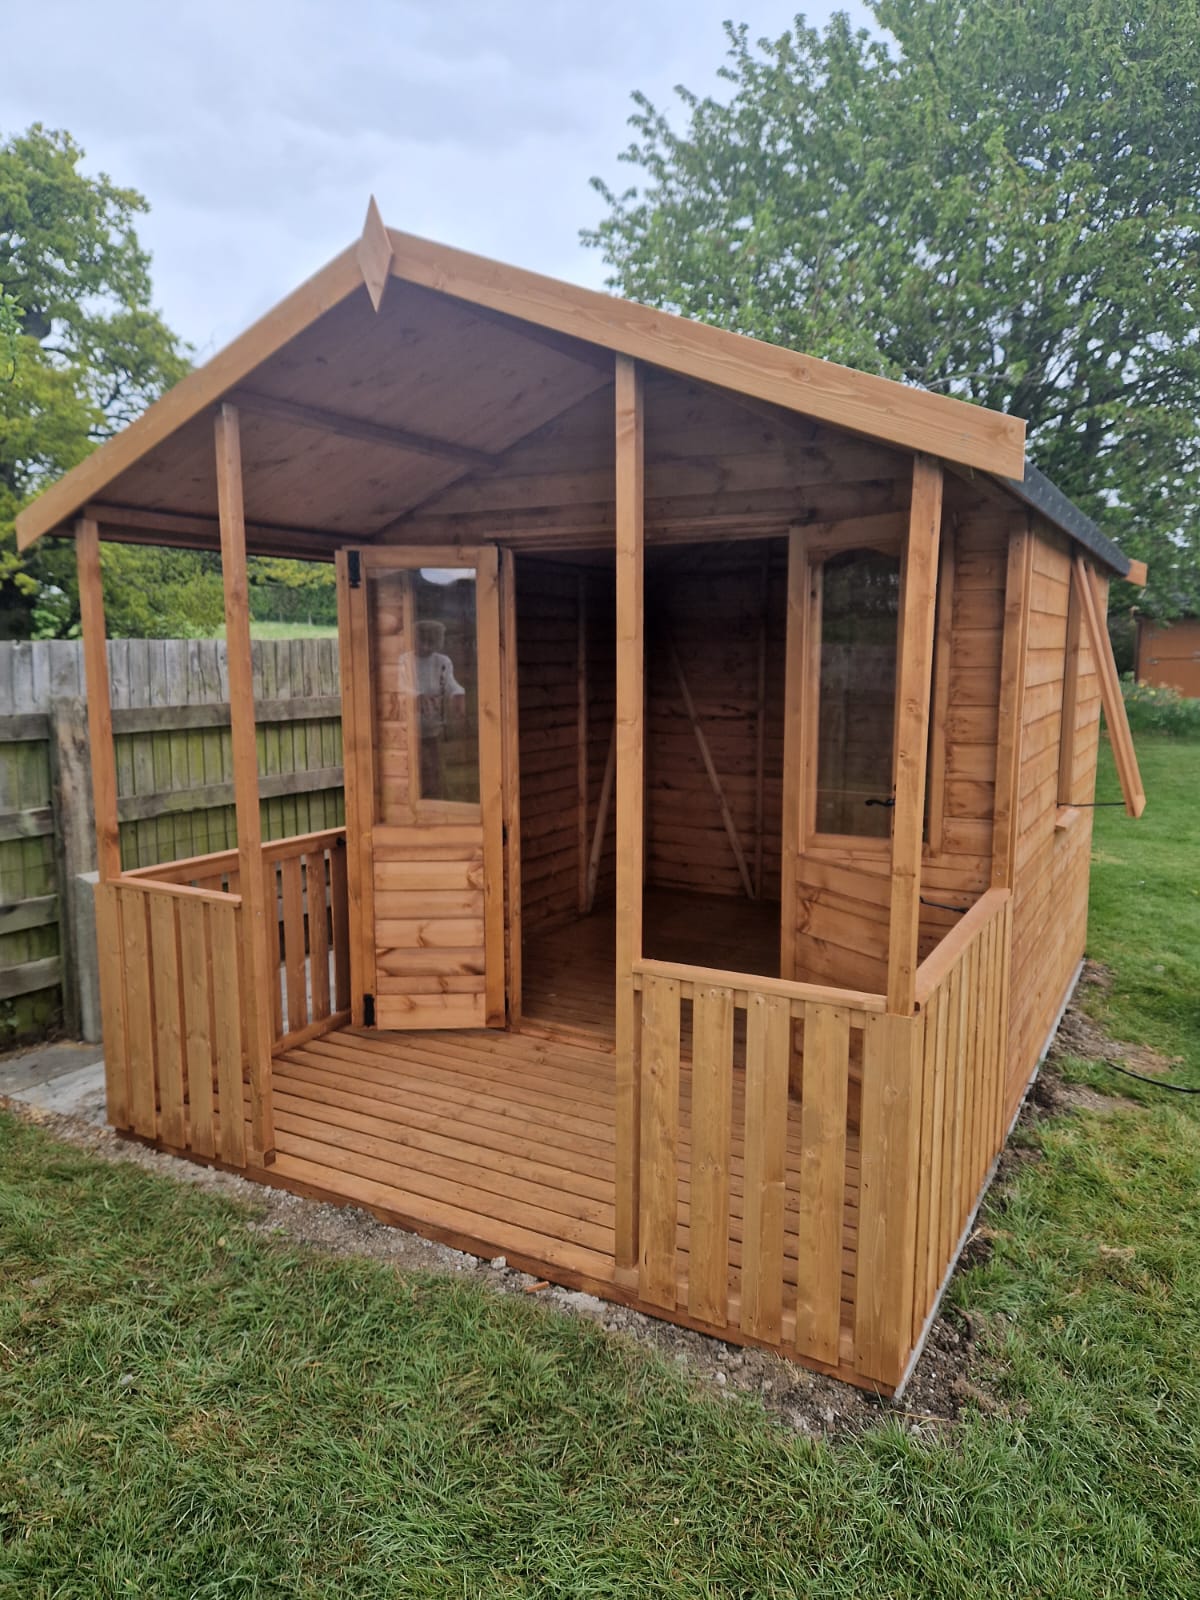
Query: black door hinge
(354,568)
(368,1011)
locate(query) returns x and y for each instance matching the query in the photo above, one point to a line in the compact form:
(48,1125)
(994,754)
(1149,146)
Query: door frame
(354,564)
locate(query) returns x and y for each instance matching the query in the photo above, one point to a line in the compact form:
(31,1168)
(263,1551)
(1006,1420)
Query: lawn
(187,1409)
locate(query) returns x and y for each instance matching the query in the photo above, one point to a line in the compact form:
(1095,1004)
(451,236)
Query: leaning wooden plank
(822,1180)
(712,1115)
(630,578)
(658,1187)
(768,1051)
(198,1050)
(913,687)
(892,1070)
(226,934)
(603,806)
(714,777)
(1068,731)
(245,778)
(1110,693)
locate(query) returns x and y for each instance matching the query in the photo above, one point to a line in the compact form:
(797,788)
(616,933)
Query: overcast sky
(257,128)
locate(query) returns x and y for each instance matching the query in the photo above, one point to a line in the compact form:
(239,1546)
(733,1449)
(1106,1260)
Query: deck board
(503,1144)
(569,971)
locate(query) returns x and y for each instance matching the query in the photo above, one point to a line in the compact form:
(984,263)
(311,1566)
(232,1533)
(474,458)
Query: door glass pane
(860,607)
(426,685)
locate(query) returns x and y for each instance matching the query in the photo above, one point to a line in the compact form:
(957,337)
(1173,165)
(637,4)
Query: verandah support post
(109,940)
(914,680)
(256,990)
(893,1044)
(630,551)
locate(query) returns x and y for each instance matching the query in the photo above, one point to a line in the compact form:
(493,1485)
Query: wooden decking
(496,1143)
(570,970)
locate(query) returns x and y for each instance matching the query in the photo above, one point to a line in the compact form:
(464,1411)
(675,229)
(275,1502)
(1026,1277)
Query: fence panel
(175,789)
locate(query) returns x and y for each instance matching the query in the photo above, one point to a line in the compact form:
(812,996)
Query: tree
(998,199)
(82,352)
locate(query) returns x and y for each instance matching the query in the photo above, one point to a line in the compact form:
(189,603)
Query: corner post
(913,688)
(109,938)
(630,553)
(256,977)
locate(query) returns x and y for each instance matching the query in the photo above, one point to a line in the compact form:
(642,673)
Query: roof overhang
(589,322)
(1037,491)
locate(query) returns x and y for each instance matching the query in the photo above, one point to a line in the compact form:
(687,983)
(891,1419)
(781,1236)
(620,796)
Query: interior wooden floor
(568,979)
(499,1144)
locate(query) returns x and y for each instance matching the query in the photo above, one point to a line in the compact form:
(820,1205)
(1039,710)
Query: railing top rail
(785,988)
(938,963)
(180,891)
(223,860)
(297,844)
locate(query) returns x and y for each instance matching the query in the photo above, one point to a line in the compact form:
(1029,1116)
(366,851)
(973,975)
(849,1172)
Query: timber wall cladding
(174,775)
(716,622)
(843,903)
(1052,863)
(565,684)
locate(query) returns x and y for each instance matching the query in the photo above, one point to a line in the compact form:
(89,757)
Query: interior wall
(716,614)
(565,688)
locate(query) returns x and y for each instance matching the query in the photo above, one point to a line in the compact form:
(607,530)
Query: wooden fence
(175,788)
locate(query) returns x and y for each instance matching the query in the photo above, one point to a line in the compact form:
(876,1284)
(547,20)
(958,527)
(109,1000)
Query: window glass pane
(425,669)
(860,606)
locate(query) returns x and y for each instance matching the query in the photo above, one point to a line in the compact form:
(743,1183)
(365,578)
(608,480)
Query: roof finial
(375,254)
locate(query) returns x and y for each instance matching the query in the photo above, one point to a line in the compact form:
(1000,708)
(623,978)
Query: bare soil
(949,1375)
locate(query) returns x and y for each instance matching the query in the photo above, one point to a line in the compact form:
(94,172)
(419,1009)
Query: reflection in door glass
(426,686)
(445,681)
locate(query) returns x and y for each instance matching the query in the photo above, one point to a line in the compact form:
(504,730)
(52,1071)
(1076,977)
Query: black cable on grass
(1155,1083)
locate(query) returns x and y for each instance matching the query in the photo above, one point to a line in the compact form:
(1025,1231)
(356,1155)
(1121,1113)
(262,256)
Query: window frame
(888,540)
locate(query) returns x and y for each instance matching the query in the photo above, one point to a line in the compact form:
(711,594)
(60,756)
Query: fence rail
(175,791)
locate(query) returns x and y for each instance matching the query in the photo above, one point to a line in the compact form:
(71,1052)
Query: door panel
(424,635)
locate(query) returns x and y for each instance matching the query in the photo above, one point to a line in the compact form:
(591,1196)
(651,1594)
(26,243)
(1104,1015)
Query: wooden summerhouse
(720,729)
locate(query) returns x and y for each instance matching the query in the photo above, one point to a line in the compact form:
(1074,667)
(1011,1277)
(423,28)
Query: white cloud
(257,129)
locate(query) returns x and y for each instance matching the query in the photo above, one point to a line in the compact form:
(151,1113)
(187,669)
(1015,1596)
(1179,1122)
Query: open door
(421,697)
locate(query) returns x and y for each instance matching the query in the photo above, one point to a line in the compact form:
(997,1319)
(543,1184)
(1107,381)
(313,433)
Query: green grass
(189,1410)
(1145,902)
(289,630)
